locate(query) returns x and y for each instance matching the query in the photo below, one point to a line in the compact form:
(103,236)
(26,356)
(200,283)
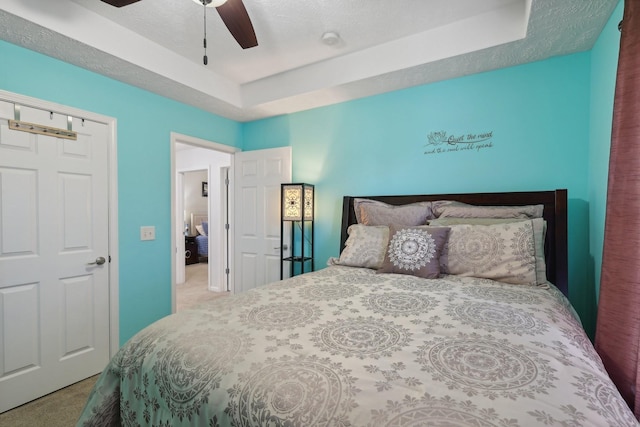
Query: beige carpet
(59,409)
(63,408)
(194,290)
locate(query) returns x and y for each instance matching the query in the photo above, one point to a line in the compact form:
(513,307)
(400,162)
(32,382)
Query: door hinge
(226,226)
(226,271)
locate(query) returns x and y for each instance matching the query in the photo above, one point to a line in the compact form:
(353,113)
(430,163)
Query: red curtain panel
(618,324)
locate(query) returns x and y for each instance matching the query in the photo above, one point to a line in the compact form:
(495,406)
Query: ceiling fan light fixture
(210,3)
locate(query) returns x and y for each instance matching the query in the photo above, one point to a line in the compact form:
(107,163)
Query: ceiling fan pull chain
(205,59)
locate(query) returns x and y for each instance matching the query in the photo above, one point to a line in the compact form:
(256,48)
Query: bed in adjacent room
(440,310)
(200,223)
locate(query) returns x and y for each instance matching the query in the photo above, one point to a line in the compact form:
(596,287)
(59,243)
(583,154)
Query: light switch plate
(147,232)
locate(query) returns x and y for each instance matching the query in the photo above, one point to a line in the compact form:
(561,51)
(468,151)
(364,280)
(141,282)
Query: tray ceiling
(382,46)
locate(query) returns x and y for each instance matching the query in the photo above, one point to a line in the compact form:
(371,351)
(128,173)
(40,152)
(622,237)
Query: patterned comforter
(348,347)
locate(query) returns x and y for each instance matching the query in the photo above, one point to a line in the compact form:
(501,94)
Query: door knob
(99,261)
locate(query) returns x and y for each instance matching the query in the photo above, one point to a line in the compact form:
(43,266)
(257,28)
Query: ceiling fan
(233,14)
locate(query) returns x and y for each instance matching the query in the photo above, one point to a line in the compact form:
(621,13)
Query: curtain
(617,337)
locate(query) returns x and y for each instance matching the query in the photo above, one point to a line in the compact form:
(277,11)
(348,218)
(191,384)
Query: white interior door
(258,175)
(54,225)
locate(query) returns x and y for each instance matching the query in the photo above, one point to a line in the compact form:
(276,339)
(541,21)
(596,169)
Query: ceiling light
(211,3)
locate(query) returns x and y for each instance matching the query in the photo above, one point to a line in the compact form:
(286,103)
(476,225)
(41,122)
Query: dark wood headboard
(555,213)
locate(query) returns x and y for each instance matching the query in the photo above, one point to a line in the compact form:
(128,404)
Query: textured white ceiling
(384,46)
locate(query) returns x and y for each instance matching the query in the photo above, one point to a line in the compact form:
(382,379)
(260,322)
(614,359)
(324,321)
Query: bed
(200,223)
(350,346)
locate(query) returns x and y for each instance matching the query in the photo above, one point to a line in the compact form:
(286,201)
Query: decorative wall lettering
(440,142)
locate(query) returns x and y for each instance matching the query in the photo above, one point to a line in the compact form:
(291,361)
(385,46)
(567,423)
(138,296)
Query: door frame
(177,138)
(112,171)
(227,252)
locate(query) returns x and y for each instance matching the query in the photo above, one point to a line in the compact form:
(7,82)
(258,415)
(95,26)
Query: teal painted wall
(539,115)
(604,64)
(550,122)
(144,122)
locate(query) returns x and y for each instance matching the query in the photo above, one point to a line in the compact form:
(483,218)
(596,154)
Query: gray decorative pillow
(539,233)
(373,212)
(502,252)
(365,246)
(453,209)
(415,251)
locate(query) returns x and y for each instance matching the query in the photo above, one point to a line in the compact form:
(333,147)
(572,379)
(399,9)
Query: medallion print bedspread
(348,347)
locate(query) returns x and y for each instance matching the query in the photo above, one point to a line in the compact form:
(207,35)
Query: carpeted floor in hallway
(194,290)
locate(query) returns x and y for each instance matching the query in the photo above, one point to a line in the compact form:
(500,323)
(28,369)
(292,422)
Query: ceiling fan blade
(120,3)
(235,17)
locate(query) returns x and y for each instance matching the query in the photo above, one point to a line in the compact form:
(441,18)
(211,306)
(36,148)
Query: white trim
(225,208)
(177,138)
(114,288)
(192,140)
(114,306)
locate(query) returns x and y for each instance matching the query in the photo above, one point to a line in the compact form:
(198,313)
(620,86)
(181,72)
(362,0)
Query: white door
(54,297)
(258,175)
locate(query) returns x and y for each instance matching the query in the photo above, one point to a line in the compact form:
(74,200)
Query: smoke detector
(331,38)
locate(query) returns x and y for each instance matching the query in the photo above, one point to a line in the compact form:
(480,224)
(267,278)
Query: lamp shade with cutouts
(297,202)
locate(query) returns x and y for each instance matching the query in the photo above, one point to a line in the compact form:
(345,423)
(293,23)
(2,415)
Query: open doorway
(200,212)
(196,286)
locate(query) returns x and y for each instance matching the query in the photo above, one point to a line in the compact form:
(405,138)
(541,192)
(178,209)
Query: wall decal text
(441,142)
